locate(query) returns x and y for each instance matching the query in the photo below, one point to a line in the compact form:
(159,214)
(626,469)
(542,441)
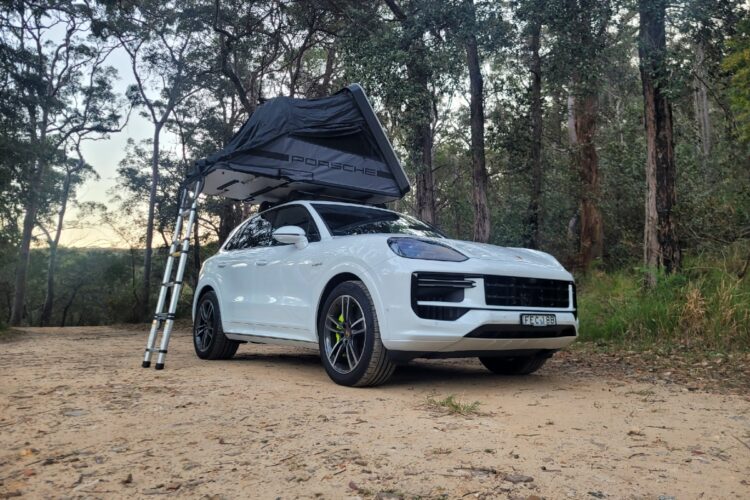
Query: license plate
(538,319)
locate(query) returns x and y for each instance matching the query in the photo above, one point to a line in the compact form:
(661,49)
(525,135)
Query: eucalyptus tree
(661,250)
(400,50)
(479,29)
(54,73)
(579,32)
(166,44)
(532,15)
(736,63)
(249,36)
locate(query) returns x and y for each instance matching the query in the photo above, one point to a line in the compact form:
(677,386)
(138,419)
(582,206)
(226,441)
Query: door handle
(221,265)
(261,262)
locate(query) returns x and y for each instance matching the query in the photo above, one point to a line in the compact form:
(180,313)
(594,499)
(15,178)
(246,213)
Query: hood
(484,251)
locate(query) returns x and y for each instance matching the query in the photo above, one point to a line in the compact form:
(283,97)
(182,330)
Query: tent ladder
(164,320)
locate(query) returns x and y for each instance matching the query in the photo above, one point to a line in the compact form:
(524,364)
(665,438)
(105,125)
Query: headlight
(413,248)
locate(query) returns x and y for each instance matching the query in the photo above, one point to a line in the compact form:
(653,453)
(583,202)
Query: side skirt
(263,339)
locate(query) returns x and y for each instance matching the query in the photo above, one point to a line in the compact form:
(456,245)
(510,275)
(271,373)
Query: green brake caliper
(340,326)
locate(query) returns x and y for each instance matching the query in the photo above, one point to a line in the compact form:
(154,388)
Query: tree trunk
(24,252)
(700,97)
(49,298)
(418,114)
(146,293)
(325,86)
(422,159)
(591,241)
(478,166)
(69,304)
(229,218)
(534,214)
(660,246)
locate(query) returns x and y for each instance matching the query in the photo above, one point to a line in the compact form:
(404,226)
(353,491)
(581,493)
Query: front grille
(512,291)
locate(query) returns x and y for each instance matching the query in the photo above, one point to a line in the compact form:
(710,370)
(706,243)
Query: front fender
(365,274)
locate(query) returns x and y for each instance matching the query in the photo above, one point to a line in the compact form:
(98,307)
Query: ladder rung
(186,211)
(163,316)
(156,350)
(177,253)
(171,283)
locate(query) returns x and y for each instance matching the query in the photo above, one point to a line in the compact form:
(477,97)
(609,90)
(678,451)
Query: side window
(258,232)
(234,241)
(296,215)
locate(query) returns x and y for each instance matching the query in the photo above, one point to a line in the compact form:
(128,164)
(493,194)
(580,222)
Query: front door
(283,301)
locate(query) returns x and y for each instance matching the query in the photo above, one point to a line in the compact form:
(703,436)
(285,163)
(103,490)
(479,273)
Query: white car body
(273,294)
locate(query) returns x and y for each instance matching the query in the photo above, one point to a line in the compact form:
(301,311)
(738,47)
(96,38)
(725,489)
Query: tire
(523,365)
(352,336)
(217,345)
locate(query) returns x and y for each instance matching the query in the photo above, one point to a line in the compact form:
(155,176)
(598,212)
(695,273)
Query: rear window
(346,220)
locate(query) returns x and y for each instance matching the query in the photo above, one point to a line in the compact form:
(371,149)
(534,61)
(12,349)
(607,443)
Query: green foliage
(737,62)
(95,286)
(706,306)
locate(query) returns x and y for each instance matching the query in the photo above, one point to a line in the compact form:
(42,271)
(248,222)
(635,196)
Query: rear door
(237,268)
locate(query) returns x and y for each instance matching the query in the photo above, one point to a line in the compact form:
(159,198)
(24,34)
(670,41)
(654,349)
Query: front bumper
(445,336)
(481,329)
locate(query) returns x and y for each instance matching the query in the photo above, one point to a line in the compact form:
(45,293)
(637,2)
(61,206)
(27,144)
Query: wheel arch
(341,277)
(202,290)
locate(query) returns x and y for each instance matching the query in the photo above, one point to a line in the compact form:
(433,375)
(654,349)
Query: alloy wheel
(344,334)
(204,331)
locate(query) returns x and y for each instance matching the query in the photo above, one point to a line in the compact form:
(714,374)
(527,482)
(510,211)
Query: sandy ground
(80,418)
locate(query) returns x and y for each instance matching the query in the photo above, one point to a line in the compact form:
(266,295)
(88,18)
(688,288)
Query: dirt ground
(80,418)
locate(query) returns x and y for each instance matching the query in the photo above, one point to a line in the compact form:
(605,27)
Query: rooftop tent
(332,147)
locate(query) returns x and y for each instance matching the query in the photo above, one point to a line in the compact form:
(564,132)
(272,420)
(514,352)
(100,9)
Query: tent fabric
(331,147)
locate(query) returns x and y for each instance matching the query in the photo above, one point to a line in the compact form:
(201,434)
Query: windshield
(346,220)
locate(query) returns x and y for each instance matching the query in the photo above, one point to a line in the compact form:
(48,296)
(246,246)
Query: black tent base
(257,189)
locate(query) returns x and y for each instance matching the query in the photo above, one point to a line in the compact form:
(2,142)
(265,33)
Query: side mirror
(291,235)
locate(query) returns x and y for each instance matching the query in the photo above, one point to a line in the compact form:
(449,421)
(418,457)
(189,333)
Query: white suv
(371,288)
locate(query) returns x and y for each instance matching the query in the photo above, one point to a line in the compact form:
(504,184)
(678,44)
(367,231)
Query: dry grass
(451,406)
(693,315)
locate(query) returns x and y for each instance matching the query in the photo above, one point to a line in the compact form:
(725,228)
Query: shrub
(706,305)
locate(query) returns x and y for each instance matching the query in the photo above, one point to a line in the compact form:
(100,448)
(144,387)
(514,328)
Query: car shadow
(419,373)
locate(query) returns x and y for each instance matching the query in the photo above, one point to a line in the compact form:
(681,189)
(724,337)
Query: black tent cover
(328,148)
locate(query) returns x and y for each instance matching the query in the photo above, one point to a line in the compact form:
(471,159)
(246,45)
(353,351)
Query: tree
(48,76)
(476,105)
(579,30)
(76,171)
(534,35)
(164,43)
(660,247)
(737,63)
(418,106)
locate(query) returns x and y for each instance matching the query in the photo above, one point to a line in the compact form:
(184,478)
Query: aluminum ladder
(164,321)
